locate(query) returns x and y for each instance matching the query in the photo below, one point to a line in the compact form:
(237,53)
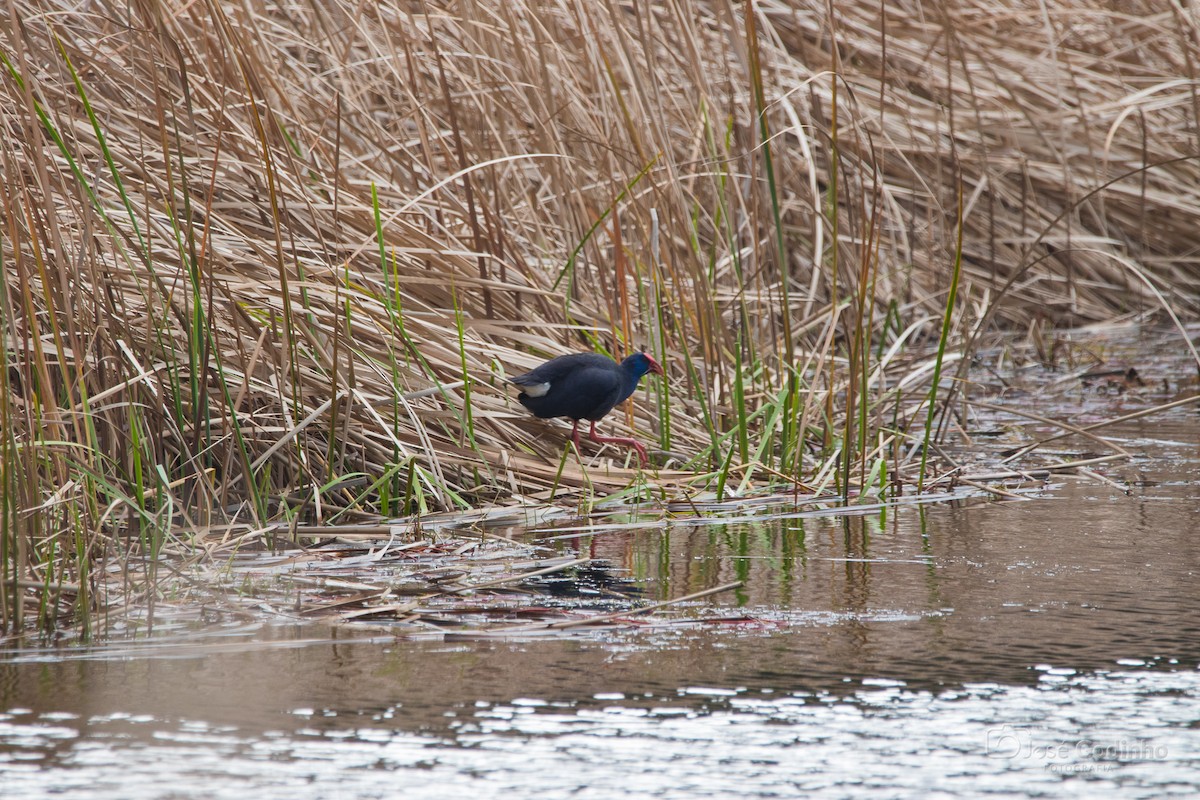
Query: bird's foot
(634,443)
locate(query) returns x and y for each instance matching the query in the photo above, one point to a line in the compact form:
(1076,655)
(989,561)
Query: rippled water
(1045,648)
(1127,732)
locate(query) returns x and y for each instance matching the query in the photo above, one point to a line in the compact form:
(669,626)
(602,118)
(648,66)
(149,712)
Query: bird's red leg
(575,437)
(634,443)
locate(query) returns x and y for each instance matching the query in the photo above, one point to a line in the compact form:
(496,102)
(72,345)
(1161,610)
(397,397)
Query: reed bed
(273,261)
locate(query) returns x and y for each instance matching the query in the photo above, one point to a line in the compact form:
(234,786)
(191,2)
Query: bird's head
(640,363)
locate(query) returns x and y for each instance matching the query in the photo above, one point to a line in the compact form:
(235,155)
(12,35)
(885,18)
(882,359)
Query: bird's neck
(631,377)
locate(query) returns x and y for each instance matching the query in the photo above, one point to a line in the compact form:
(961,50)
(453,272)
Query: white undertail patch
(536,389)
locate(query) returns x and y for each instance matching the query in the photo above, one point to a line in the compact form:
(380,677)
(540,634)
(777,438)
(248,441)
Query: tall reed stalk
(265,266)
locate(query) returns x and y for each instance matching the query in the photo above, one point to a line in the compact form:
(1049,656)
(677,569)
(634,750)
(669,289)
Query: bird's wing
(600,386)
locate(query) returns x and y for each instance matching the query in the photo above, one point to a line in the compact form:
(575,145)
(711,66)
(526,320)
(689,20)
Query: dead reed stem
(256,252)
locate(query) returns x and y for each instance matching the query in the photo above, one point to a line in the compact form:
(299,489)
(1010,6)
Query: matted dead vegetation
(276,259)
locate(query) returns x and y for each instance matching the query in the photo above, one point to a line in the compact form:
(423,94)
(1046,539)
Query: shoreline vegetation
(273,263)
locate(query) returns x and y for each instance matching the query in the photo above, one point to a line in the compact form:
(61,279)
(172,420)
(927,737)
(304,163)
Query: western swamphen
(584,386)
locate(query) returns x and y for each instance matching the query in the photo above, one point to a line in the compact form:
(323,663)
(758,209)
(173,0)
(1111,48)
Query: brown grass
(223,323)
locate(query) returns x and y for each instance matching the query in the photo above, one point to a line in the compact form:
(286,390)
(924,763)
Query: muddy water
(1045,648)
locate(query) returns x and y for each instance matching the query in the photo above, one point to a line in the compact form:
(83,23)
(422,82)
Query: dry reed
(199,315)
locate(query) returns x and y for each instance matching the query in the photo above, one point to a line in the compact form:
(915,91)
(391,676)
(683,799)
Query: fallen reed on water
(275,262)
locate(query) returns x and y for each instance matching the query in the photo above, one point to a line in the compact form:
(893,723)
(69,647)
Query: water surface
(980,647)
